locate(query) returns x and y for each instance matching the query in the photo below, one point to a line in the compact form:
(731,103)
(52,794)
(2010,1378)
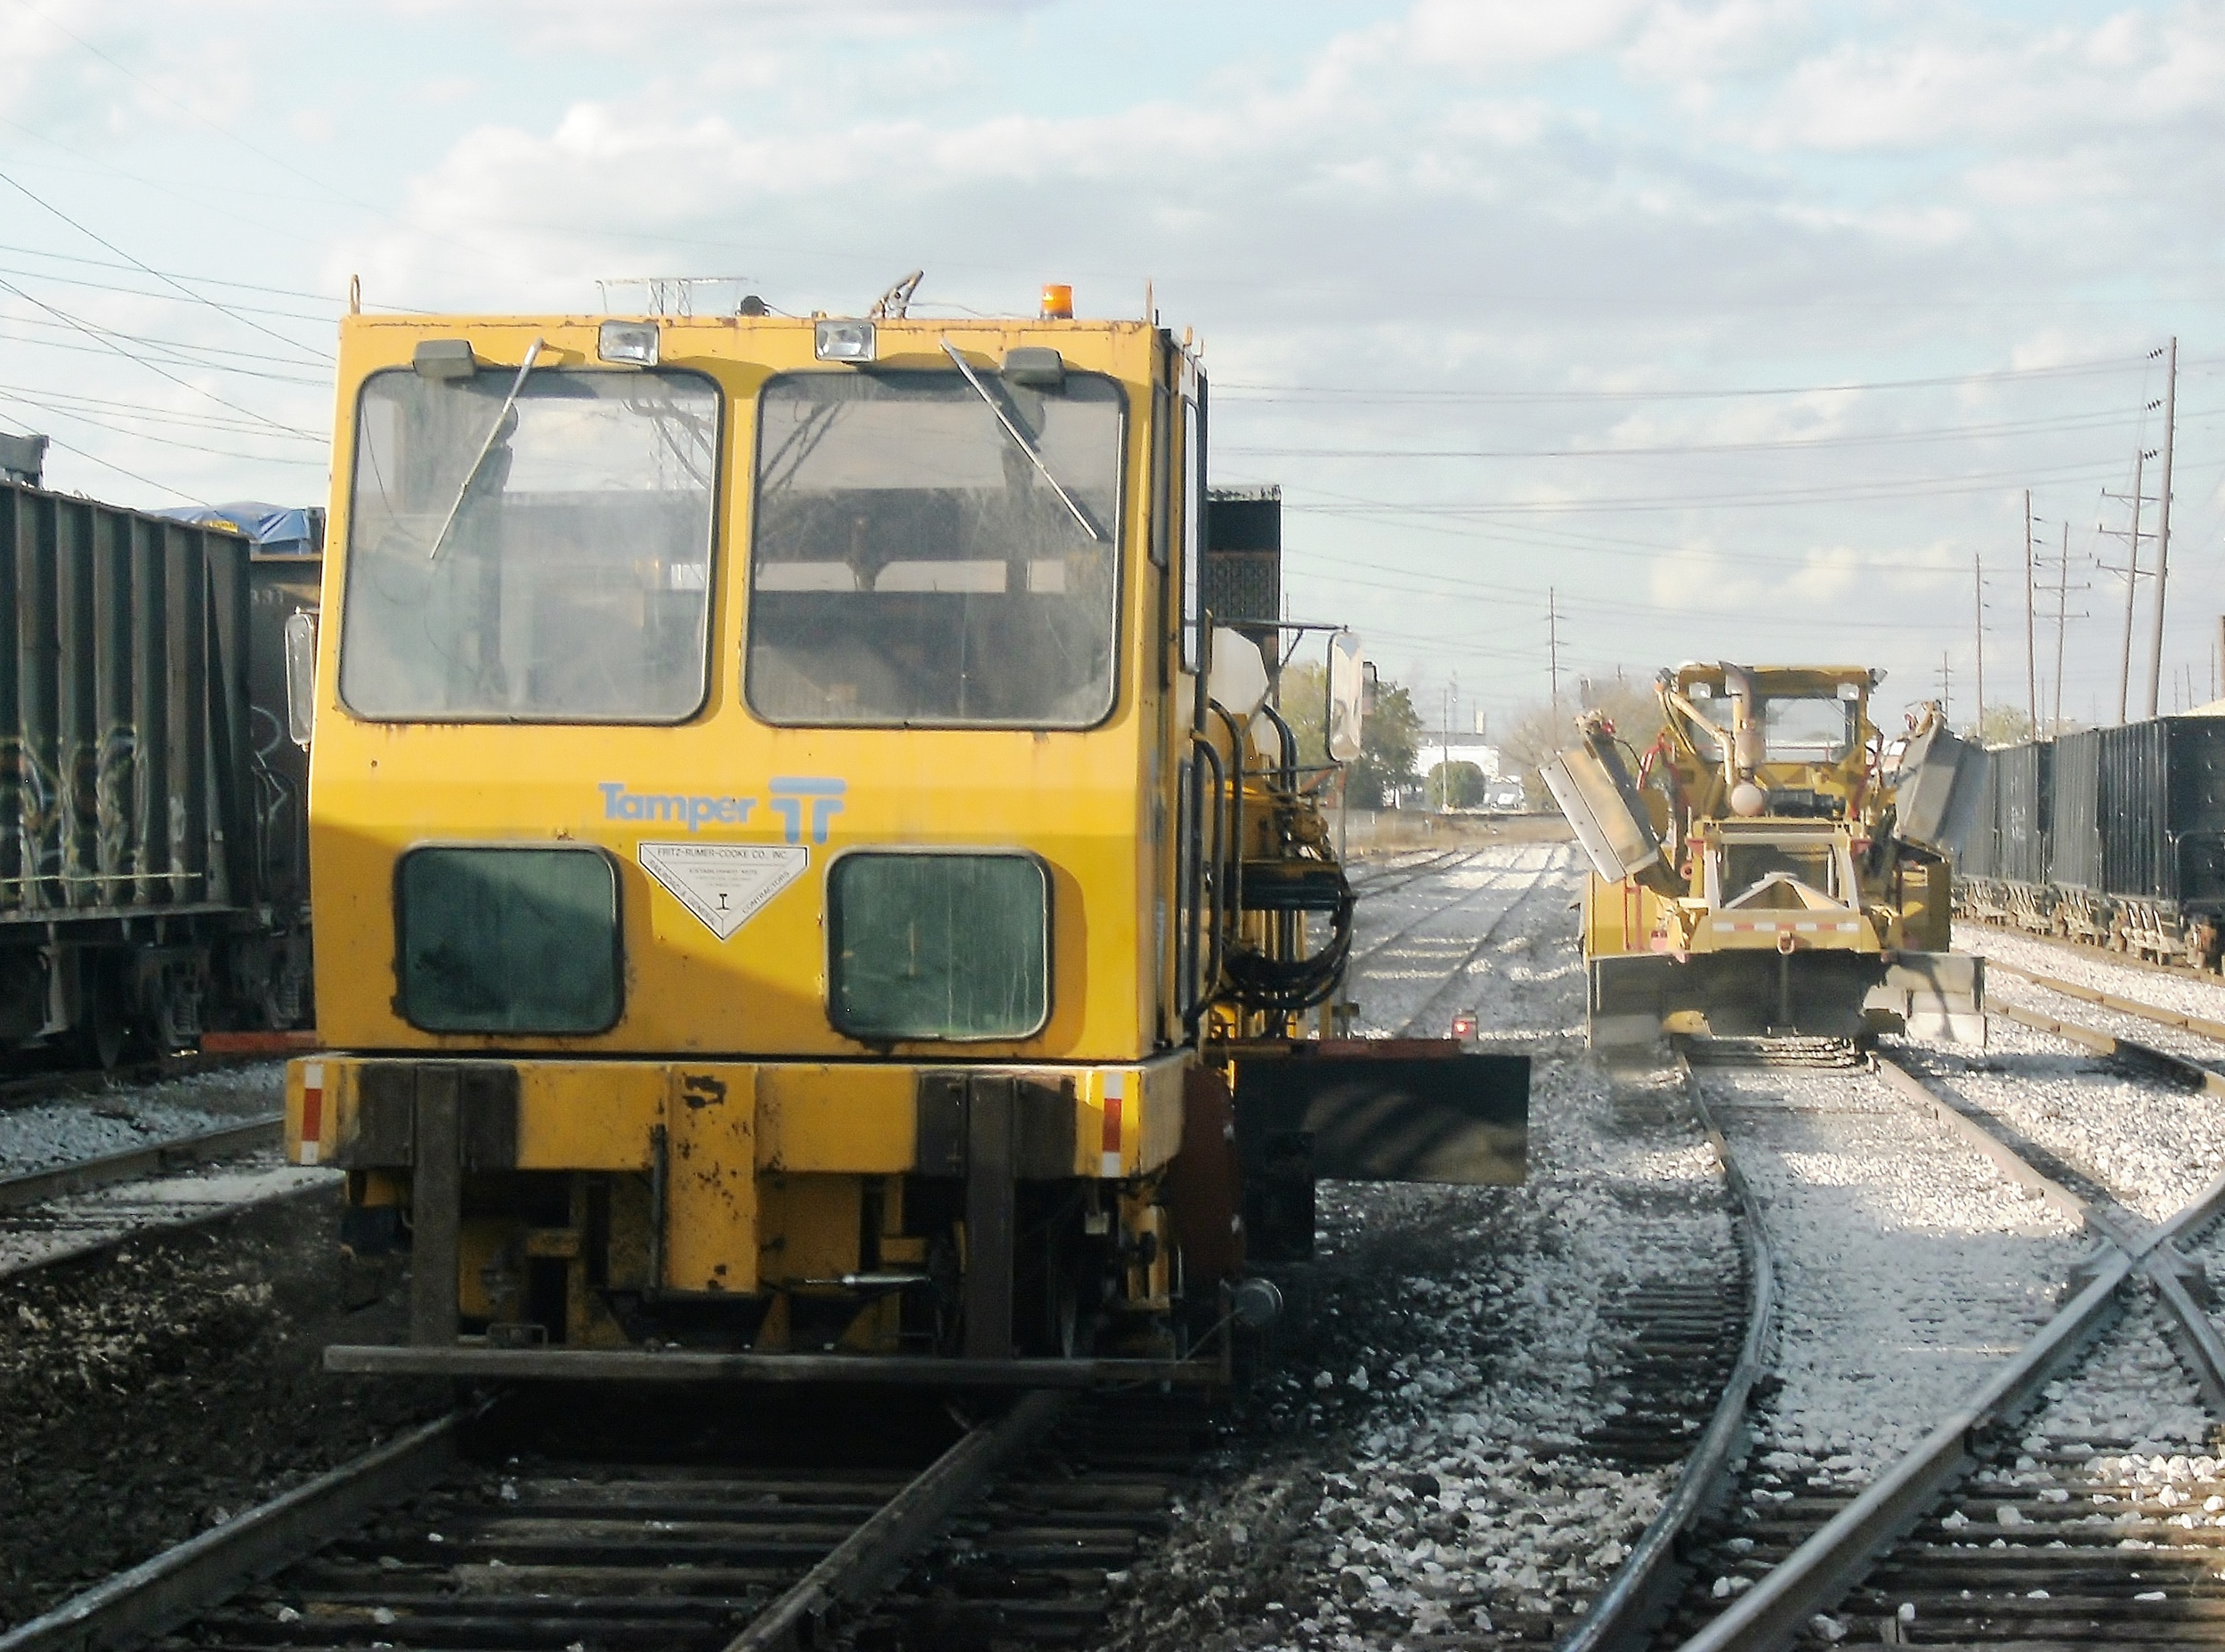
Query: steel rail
(1390,880)
(687,1366)
(161,1594)
(190,1217)
(2092,949)
(170,1591)
(875,1555)
(2117,1229)
(1771,1614)
(2179,1069)
(1777,1608)
(36,1186)
(2200,1025)
(1500,876)
(1412,1026)
(1645,1586)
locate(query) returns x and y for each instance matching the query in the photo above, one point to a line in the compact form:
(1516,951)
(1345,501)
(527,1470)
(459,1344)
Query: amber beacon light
(1059,302)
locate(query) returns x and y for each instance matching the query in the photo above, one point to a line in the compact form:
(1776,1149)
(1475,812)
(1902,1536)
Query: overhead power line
(159,487)
(2069,423)
(167,442)
(100,334)
(1249,392)
(190,295)
(176,352)
(236,312)
(204,280)
(72,399)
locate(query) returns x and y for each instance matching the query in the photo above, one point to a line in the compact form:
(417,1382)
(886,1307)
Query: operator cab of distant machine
(802,876)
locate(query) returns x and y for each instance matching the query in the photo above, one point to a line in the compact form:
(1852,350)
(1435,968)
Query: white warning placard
(724,883)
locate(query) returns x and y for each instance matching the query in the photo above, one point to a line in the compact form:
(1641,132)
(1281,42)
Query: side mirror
(1349,695)
(301,676)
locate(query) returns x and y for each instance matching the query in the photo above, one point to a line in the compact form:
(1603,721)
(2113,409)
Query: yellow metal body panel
(1085,801)
(829,1118)
(710,1233)
(779,1118)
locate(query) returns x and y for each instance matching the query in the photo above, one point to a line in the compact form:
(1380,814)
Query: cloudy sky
(1740,328)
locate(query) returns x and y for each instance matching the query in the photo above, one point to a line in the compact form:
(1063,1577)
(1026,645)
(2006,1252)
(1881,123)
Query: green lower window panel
(939,946)
(508,940)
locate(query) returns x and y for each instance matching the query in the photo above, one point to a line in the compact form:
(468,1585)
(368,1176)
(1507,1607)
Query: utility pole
(1946,690)
(1977,573)
(2131,537)
(2062,620)
(2163,521)
(2031,665)
(1444,745)
(1552,646)
(2132,579)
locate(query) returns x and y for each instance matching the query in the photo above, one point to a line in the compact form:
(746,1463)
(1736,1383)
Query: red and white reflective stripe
(312,1111)
(1731,926)
(1115,1089)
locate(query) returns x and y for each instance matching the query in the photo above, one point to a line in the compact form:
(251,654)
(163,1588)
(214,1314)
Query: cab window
(936,551)
(544,556)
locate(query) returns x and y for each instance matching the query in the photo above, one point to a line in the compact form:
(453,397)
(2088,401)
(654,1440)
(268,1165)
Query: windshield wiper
(1020,440)
(494,431)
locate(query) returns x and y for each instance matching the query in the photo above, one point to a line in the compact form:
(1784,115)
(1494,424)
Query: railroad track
(1500,876)
(1985,1533)
(501,1527)
(33,1187)
(1432,864)
(1436,1014)
(43,1221)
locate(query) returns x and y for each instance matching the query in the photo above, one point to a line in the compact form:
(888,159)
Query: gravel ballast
(1908,1267)
(40,1135)
(148,1393)
(1414,1462)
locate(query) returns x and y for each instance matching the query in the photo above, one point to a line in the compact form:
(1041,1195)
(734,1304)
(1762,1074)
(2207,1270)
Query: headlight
(631,342)
(844,341)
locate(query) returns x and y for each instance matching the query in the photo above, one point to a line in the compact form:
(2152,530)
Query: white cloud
(648,29)
(1958,83)
(1495,36)
(1686,43)
(1483,205)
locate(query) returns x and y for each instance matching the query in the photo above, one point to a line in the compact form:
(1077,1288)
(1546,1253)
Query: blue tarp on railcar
(272,529)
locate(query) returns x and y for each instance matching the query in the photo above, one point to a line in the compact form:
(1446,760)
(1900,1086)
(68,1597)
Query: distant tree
(2003,725)
(1535,735)
(1389,737)
(1389,742)
(1455,786)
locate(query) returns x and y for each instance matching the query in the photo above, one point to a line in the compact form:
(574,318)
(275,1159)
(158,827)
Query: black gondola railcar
(153,866)
(2114,836)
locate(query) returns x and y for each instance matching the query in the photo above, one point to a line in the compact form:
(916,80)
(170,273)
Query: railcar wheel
(105,1036)
(1078,1306)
